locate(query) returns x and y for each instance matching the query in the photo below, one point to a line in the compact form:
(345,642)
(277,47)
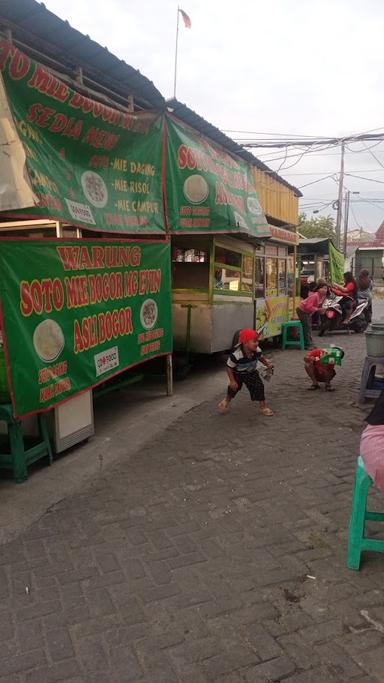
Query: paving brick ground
(216,553)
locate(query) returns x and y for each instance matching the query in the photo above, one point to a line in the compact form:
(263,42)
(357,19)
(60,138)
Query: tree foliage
(320,226)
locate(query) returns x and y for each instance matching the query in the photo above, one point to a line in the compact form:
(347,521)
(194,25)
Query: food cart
(221,284)
(231,267)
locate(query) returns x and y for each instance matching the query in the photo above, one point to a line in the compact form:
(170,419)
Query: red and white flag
(186,19)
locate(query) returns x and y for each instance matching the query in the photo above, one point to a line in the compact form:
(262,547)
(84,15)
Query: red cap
(247,335)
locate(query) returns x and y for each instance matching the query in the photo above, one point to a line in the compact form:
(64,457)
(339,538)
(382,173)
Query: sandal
(266,411)
(313,387)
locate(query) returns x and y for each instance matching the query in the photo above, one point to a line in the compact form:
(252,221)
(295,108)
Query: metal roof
(34,26)
(313,240)
(319,245)
(190,117)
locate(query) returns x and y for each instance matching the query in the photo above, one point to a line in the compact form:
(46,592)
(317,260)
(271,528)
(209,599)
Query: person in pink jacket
(372,444)
(309,306)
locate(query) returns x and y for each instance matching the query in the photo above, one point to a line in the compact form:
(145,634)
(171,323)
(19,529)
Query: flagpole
(176,50)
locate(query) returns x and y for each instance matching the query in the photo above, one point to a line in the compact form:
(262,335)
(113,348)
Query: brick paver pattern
(216,553)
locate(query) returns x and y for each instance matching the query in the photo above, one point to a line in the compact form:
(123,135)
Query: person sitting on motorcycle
(364,291)
(349,292)
(320,372)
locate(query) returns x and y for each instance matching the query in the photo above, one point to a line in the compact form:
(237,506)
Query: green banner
(336,264)
(77,312)
(89,164)
(208,189)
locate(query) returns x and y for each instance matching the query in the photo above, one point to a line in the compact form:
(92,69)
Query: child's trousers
(252,381)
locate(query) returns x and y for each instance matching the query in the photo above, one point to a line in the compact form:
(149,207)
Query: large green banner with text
(208,189)
(90,164)
(77,312)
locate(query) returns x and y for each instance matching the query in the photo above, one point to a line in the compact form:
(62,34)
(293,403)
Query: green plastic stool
(285,341)
(357,540)
(18,457)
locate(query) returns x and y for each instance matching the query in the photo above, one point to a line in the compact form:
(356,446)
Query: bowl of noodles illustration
(48,340)
(195,189)
(94,189)
(148,314)
(253,206)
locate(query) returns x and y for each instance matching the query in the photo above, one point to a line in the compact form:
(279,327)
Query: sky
(296,67)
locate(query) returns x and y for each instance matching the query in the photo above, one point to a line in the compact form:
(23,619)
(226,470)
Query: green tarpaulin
(108,170)
(77,312)
(208,189)
(336,264)
(89,164)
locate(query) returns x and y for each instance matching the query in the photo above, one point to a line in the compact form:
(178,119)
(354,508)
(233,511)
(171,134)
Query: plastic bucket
(374,338)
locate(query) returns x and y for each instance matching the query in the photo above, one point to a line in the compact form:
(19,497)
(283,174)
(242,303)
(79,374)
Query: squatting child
(242,369)
(319,371)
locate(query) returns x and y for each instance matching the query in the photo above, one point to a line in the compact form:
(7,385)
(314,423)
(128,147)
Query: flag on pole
(186,19)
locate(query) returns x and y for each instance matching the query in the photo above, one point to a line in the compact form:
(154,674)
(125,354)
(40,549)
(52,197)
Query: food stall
(319,258)
(80,301)
(230,268)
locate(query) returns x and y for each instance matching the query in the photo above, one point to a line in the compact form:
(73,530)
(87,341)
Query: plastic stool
(367,389)
(357,540)
(285,341)
(18,457)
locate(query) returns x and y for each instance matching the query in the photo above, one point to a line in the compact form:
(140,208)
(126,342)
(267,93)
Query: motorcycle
(332,319)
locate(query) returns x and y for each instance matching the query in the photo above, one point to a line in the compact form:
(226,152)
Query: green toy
(333,356)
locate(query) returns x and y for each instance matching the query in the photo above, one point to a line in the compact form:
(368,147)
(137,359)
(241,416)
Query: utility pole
(340,197)
(346,217)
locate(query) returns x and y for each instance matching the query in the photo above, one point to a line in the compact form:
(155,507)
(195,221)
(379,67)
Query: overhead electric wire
(366,149)
(316,181)
(370,180)
(369,150)
(285,135)
(291,156)
(354,216)
(311,143)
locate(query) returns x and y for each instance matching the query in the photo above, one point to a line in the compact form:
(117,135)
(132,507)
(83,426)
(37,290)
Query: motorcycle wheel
(360,326)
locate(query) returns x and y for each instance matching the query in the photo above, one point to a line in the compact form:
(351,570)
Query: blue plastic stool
(370,386)
(357,541)
(286,341)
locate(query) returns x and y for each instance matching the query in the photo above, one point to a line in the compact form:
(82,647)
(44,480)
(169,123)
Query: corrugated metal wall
(372,261)
(277,200)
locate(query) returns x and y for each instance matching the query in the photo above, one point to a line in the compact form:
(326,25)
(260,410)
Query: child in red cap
(242,369)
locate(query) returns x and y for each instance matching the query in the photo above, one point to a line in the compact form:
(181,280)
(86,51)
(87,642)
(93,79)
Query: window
(190,268)
(233,270)
(227,257)
(227,279)
(259,277)
(271,276)
(180,255)
(282,277)
(247,274)
(291,276)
